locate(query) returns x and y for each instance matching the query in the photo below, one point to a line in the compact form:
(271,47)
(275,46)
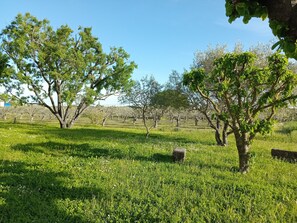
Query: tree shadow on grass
(95,134)
(89,134)
(29,194)
(84,150)
(164,158)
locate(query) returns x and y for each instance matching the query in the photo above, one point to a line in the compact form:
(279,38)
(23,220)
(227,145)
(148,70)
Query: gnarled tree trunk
(221,138)
(242,145)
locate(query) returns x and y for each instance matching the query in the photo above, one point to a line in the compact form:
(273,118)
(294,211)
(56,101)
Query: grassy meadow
(113,174)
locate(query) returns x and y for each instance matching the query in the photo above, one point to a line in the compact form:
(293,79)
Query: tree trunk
(242,145)
(63,125)
(225,138)
(218,138)
(221,140)
(104,121)
(69,124)
(156,121)
(177,121)
(244,158)
(134,120)
(186,119)
(144,118)
(196,121)
(147,134)
(225,133)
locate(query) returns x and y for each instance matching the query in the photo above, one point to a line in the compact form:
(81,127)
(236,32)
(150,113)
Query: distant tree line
(67,73)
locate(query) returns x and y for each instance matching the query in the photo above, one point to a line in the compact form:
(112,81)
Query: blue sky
(159,35)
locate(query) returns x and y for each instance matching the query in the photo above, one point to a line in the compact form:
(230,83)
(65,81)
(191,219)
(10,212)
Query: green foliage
(249,90)
(246,9)
(170,99)
(11,88)
(115,175)
(250,94)
(173,96)
(279,20)
(62,67)
(140,98)
(140,95)
(195,79)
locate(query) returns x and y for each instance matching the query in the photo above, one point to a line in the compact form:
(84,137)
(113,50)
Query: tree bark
(225,138)
(196,121)
(156,121)
(242,145)
(63,125)
(225,133)
(218,138)
(104,121)
(221,139)
(177,121)
(284,11)
(244,158)
(145,124)
(134,120)
(70,124)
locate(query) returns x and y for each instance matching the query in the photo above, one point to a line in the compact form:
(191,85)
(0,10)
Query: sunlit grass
(112,174)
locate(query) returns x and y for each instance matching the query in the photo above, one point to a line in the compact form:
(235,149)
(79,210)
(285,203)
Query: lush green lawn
(111,174)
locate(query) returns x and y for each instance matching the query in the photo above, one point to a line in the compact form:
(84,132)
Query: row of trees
(152,99)
(106,116)
(237,92)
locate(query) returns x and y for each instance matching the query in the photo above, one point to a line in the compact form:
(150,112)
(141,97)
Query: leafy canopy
(141,94)
(282,17)
(246,90)
(62,68)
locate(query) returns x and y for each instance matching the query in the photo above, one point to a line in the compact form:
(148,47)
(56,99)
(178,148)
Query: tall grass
(112,174)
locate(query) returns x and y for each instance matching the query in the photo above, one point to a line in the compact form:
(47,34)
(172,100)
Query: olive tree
(204,60)
(63,71)
(251,94)
(172,98)
(140,96)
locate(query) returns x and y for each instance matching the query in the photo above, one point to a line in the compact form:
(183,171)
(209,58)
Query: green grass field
(113,174)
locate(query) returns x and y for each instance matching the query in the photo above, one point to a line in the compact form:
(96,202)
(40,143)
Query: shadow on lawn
(30,195)
(89,134)
(86,151)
